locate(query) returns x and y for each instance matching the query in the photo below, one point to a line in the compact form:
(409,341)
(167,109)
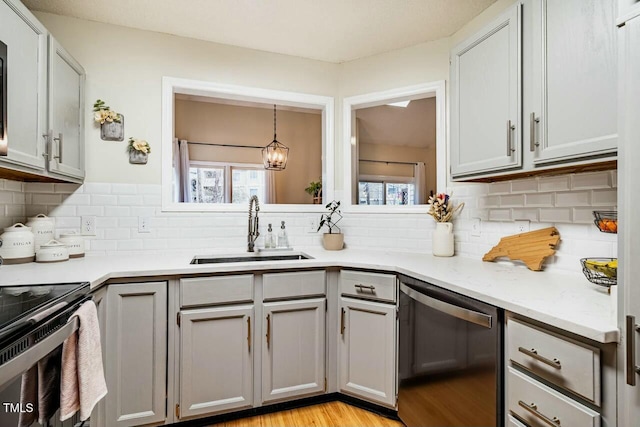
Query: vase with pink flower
(442,209)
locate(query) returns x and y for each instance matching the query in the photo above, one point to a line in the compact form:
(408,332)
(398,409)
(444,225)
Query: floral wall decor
(111,122)
(138,150)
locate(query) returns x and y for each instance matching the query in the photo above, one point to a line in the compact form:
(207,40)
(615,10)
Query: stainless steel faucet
(253,224)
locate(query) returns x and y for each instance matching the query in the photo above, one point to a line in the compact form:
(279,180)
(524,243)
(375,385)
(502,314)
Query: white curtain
(181,171)
(270,190)
(175,179)
(419,176)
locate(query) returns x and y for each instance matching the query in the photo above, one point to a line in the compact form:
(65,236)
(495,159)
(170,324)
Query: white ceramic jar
(18,245)
(52,251)
(443,239)
(74,242)
(43,228)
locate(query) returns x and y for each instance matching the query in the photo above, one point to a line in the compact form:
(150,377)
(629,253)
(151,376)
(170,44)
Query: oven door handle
(21,363)
(465,314)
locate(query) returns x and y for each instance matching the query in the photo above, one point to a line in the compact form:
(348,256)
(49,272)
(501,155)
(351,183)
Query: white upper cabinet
(66,113)
(26,41)
(572,111)
(536,89)
(485,98)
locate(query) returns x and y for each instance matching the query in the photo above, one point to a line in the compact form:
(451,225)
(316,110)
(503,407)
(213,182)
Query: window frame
(228,176)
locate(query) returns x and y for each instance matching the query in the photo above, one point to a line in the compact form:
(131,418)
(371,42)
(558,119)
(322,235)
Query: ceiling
(327,30)
(413,126)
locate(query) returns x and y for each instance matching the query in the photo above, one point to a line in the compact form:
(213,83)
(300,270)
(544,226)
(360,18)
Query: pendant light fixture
(274,155)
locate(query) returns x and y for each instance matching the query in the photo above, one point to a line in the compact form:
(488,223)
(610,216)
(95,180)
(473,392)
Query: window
(371,192)
(226,183)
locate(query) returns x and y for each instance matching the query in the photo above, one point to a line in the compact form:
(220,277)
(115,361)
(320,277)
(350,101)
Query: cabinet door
(293,355)
(629,220)
(573,112)
(136,353)
(216,368)
(367,350)
(66,113)
(485,99)
(26,41)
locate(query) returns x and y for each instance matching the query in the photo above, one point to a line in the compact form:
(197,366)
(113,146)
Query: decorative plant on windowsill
(334,239)
(315,189)
(138,150)
(111,122)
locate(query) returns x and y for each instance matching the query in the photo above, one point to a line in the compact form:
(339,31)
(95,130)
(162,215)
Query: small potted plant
(315,189)
(139,150)
(111,123)
(334,239)
(442,210)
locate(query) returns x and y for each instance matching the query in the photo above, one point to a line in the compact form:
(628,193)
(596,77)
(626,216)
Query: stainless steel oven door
(450,362)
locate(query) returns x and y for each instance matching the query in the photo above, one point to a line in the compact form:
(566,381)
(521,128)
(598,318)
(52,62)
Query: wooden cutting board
(532,248)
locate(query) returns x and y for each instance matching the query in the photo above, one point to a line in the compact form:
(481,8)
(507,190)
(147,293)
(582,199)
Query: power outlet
(143,224)
(88,225)
(312,224)
(523,226)
(476,227)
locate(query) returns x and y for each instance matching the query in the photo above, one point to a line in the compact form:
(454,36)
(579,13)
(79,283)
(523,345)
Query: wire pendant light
(274,155)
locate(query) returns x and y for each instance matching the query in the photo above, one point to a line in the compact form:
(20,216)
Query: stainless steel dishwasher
(450,366)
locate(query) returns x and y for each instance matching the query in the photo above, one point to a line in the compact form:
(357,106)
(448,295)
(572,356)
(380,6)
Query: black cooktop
(22,307)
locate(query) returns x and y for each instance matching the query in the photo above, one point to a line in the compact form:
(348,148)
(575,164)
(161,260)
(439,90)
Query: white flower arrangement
(139,145)
(102,113)
(441,207)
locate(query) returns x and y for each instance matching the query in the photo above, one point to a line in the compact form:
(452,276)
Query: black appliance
(450,366)
(3,99)
(33,325)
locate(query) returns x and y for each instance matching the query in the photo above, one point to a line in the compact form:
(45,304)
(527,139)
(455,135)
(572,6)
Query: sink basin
(214,259)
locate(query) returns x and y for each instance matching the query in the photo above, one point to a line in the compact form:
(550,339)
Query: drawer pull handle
(533,408)
(361,288)
(555,363)
(342,321)
(249,333)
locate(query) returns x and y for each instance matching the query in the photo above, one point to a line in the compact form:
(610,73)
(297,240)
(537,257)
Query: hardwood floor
(325,415)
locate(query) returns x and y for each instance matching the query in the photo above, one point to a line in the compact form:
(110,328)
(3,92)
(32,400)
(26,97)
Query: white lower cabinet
(216,360)
(367,350)
(135,353)
(293,349)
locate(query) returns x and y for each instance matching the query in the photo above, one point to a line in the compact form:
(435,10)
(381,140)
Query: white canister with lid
(52,251)
(74,242)
(43,228)
(17,244)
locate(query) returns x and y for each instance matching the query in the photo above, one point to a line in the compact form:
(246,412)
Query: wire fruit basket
(600,271)
(606,221)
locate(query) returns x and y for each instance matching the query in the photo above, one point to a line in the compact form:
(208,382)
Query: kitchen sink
(213,259)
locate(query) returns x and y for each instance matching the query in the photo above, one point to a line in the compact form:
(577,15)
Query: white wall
(125,66)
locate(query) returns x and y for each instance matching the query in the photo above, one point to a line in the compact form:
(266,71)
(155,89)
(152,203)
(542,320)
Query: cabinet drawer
(216,290)
(512,422)
(569,364)
(296,284)
(539,405)
(372,286)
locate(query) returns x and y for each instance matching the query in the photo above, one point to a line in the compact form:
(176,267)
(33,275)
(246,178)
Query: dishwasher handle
(465,314)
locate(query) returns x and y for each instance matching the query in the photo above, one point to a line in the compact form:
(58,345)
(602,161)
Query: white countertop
(565,300)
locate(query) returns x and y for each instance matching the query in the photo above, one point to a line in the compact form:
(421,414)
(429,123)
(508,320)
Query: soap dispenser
(270,241)
(283,240)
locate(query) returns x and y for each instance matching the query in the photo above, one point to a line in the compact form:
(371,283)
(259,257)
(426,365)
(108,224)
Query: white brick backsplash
(539,200)
(556,215)
(124,189)
(489,202)
(96,188)
(15,186)
(104,200)
(78,200)
(514,200)
(117,211)
(604,197)
(500,214)
(38,187)
(590,181)
(500,187)
(525,214)
(150,189)
(90,210)
(46,199)
(66,188)
(129,200)
(583,215)
(19,199)
(524,186)
(574,198)
(554,183)
(6,196)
